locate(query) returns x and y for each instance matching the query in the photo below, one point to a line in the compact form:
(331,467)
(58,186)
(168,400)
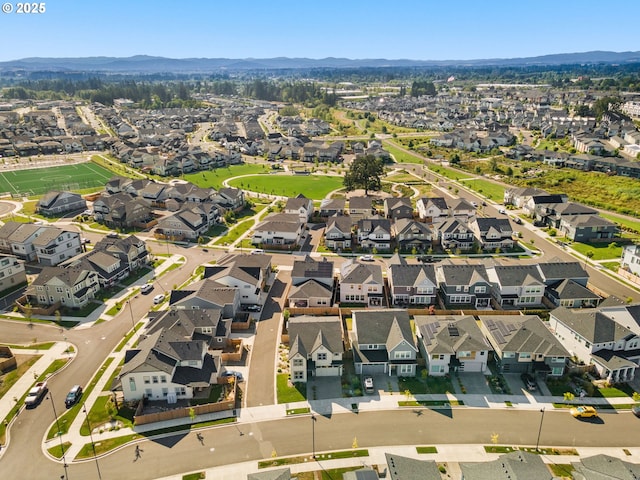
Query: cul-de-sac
(307,269)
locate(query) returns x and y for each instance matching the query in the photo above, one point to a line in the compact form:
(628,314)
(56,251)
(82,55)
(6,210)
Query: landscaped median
(280,461)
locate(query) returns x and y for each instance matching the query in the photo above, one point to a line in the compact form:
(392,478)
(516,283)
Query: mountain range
(151,64)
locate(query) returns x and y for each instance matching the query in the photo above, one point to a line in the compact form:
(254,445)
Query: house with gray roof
(455,235)
(555,271)
(207,294)
(516,286)
(410,234)
(361,207)
(55,245)
(122,210)
(332,206)
(55,203)
(588,228)
(279,474)
(570,294)
(12,272)
(315,347)
(247,273)
(433,209)
(383,343)
(492,233)
(405,468)
(278,229)
(187,224)
(524,344)
(413,284)
(375,233)
(361,284)
(301,206)
(451,344)
(167,366)
(337,233)
(463,285)
(310,294)
(72,287)
(602,467)
(398,207)
(517,465)
(595,337)
(17,239)
(308,268)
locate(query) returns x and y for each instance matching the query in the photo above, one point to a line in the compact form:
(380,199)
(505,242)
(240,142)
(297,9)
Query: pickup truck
(36,394)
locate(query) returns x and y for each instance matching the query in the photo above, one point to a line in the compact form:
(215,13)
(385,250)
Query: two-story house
(55,203)
(12,272)
(361,283)
(315,347)
(207,294)
(301,206)
(413,284)
(398,207)
(630,261)
(465,284)
(516,286)
(337,234)
(451,344)
(382,343)
(71,287)
(361,207)
(594,337)
(455,235)
(524,344)
(248,273)
(278,229)
(410,235)
(311,283)
(492,233)
(588,228)
(432,210)
(332,206)
(187,224)
(55,245)
(374,233)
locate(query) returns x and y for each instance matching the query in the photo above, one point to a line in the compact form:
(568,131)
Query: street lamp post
(93,445)
(64,460)
(313,436)
(540,429)
(133,323)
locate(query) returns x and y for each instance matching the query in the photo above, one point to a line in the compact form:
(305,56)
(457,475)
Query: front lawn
(430,384)
(449,172)
(487,188)
(288,393)
(214,178)
(601,251)
(401,156)
(236,232)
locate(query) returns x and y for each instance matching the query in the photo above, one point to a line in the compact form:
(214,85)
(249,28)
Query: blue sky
(413,29)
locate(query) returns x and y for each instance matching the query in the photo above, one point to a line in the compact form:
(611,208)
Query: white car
(146,288)
(366,258)
(158,299)
(502,211)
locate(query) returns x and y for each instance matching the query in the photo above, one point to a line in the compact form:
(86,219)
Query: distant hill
(149,64)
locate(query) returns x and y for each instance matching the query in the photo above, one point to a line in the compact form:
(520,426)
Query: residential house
(432,210)
(588,228)
(555,271)
(413,284)
(461,209)
(492,233)
(516,286)
(631,259)
(361,207)
(110,268)
(451,344)
(207,294)
(54,203)
(523,343)
(374,233)
(279,229)
(463,285)
(405,468)
(398,207)
(201,323)
(552,214)
(230,198)
(301,206)
(570,294)
(410,234)
(167,366)
(122,210)
(382,343)
(17,239)
(187,224)
(278,474)
(516,465)
(597,338)
(12,272)
(315,347)
(310,294)
(337,234)
(72,287)
(311,283)
(54,245)
(519,196)
(131,251)
(248,273)
(332,206)
(603,466)
(309,269)
(361,283)
(455,235)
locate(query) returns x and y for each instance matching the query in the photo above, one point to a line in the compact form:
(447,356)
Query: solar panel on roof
(503,329)
(498,336)
(453,330)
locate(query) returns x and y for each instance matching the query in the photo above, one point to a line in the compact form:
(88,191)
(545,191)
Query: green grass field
(214,178)
(491,190)
(38,181)
(312,186)
(401,156)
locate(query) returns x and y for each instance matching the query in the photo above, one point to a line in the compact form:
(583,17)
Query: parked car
(257,251)
(517,221)
(146,288)
(475,204)
(583,412)
(368,385)
(425,258)
(529,382)
(254,308)
(158,299)
(636,410)
(233,373)
(366,258)
(73,396)
(502,210)
(112,235)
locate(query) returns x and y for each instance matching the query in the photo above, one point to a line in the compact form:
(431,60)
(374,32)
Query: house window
(163,379)
(297,362)
(148,392)
(509,355)
(464,354)
(437,356)
(181,391)
(481,289)
(406,368)
(155,379)
(322,356)
(437,368)
(557,371)
(147,380)
(165,392)
(401,355)
(525,356)
(132,384)
(298,375)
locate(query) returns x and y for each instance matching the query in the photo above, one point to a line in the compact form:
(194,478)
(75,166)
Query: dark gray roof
(605,467)
(516,275)
(568,289)
(308,330)
(362,474)
(449,334)
(382,326)
(559,270)
(412,275)
(439,202)
(360,203)
(511,466)
(503,225)
(310,268)
(462,274)
(522,333)
(592,325)
(280,474)
(309,289)
(359,273)
(404,468)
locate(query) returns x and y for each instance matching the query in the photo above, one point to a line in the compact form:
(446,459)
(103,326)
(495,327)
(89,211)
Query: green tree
(364,172)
